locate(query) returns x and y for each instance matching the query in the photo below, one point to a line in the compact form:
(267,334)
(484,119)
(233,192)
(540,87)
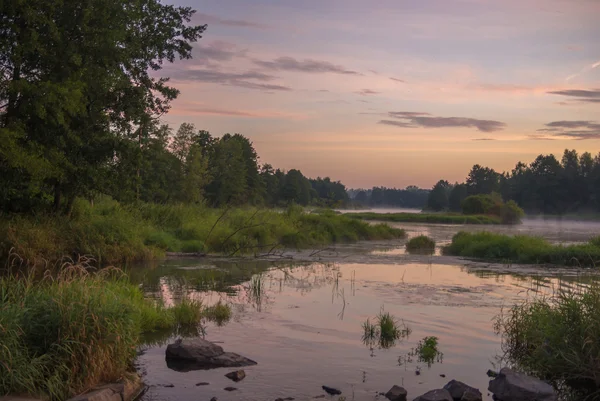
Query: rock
(319,396)
(230,389)
(196,353)
(396,393)
(435,395)
(458,389)
(236,376)
(513,386)
(169,385)
(331,390)
(202,384)
(491,373)
(285,399)
(214,399)
(471,395)
(442,375)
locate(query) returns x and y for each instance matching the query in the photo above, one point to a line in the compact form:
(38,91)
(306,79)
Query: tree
(196,175)
(228,171)
(296,188)
(458,193)
(76,80)
(362,198)
(438,197)
(482,180)
(183,140)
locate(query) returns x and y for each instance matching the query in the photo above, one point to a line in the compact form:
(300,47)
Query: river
(299,315)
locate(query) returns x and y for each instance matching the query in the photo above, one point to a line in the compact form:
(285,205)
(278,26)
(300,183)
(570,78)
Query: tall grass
(557,339)
(114,233)
(523,249)
(384,332)
(439,218)
(64,335)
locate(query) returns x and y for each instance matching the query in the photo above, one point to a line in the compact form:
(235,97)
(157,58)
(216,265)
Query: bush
(421,244)
(509,212)
(557,340)
(478,204)
(62,336)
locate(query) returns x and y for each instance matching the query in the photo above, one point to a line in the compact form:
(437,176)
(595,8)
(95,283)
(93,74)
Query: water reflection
(302,323)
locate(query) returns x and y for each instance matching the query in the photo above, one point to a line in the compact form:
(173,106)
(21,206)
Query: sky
(395,92)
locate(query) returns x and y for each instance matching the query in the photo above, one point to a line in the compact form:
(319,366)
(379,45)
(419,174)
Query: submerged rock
(236,376)
(230,389)
(491,373)
(196,354)
(396,393)
(513,386)
(435,395)
(202,384)
(458,390)
(331,390)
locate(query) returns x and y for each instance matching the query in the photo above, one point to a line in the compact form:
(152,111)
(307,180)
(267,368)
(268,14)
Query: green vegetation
(63,335)
(427,351)
(220,313)
(523,249)
(545,186)
(509,212)
(436,218)
(557,340)
(115,233)
(385,332)
(421,244)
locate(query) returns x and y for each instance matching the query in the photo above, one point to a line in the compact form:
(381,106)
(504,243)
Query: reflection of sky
(301,339)
(308,82)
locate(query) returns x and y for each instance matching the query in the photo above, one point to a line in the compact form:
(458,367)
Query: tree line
(545,186)
(81,100)
(410,197)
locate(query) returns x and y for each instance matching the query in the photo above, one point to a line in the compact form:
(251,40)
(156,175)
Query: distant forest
(411,197)
(545,186)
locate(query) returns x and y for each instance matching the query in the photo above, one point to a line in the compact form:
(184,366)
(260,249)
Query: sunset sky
(395,92)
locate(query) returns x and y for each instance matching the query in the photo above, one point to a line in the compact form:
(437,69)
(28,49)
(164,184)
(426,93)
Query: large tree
(76,78)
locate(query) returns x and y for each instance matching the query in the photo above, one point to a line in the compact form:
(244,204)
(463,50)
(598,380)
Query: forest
(545,186)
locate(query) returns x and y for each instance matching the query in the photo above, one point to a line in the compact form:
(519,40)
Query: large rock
(435,395)
(458,389)
(396,393)
(513,386)
(236,376)
(196,353)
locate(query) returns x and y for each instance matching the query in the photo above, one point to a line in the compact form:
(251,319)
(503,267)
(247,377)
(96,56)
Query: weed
(421,244)
(220,313)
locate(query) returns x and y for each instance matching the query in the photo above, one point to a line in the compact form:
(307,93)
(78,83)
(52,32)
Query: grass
(114,233)
(427,351)
(219,313)
(558,340)
(384,332)
(64,335)
(523,249)
(439,218)
(421,244)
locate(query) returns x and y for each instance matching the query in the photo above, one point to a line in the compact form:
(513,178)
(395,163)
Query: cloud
(484,139)
(323,90)
(576,129)
(195,108)
(208,19)
(242,80)
(582,95)
(397,80)
(366,92)
(306,65)
(584,70)
(218,51)
(426,120)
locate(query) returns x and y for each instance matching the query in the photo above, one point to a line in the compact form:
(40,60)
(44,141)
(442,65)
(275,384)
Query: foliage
(220,313)
(509,212)
(421,244)
(438,218)
(427,351)
(385,332)
(557,339)
(63,335)
(522,249)
(438,197)
(409,197)
(116,233)
(66,113)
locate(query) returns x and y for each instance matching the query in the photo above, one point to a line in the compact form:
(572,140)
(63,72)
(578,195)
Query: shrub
(557,340)
(421,244)
(478,204)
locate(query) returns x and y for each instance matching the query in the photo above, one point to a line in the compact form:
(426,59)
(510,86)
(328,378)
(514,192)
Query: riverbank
(67,334)
(523,249)
(435,218)
(113,233)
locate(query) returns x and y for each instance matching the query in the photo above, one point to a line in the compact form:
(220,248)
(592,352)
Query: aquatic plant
(427,351)
(522,249)
(421,244)
(65,334)
(385,332)
(557,339)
